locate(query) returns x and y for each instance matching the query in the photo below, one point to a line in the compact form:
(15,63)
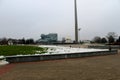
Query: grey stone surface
(14,59)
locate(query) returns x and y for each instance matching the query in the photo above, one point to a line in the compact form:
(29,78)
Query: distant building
(86,41)
(67,40)
(49,38)
(10,42)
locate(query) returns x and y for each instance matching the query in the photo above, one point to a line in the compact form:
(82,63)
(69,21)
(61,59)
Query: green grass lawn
(20,50)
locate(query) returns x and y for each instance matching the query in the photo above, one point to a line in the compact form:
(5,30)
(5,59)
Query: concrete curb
(15,59)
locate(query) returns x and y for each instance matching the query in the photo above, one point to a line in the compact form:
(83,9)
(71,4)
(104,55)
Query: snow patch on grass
(62,49)
(55,50)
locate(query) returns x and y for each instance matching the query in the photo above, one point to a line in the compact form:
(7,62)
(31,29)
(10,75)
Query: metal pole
(76,23)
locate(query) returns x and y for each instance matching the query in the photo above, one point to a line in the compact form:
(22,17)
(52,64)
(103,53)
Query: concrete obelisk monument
(76,22)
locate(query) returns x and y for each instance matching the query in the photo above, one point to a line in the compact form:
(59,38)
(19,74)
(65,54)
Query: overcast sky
(31,18)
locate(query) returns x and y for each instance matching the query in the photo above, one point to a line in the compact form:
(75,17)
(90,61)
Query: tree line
(7,41)
(111,37)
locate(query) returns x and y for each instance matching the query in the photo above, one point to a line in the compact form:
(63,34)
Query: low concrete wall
(105,47)
(14,59)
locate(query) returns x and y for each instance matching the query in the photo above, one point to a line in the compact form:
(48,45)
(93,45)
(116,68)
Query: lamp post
(76,23)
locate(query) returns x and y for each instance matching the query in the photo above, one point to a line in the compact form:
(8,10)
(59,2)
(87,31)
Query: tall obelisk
(76,22)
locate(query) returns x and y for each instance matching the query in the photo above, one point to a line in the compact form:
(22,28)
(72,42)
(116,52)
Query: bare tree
(111,36)
(103,40)
(118,40)
(4,41)
(97,39)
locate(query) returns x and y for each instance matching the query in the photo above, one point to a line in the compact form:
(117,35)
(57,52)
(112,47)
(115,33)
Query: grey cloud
(30,18)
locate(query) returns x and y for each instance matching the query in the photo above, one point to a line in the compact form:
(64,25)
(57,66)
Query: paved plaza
(89,68)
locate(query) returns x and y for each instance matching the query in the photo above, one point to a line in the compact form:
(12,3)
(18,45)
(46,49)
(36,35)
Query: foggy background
(31,18)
